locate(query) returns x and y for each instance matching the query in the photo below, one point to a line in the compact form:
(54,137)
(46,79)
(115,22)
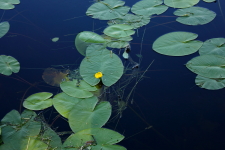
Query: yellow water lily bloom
(98,75)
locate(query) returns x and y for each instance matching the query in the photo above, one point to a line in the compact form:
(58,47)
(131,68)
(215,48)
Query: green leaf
(79,89)
(4,28)
(55,39)
(194,16)
(149,7)
(38,101)
(100,138)
(90,37)
(209,1)
(17,133)
(107,9)
(209,66)
(177,44)
(214,46)
(119,30)
(209,84)
(8,64)
(135,21)
(63,103)
(103,61)
(88,113)
(180,3)
(4,4)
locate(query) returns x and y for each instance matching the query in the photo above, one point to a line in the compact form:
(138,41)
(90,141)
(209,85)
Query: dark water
(183,116)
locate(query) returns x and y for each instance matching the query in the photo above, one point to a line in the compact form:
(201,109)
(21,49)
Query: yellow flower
(98,75)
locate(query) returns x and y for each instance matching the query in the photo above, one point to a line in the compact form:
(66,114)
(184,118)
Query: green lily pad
(55,39)
(79,89)
(95,139)
(63,103)
(88,113)
(38,101)
(98,138)
(103,61)
(209,84)
(209,1)
(149,7)
(180,3)
(4,4)
(177,44)
(194,15)
(51,138)
(119,30)
(90,37)
(135,21)
(8,64)
(19,128)
(209,66)
(4,28)
(8,4)
(107,9)
(214,46)
(86,38)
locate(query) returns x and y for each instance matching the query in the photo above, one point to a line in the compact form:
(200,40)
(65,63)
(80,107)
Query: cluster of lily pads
(79,100)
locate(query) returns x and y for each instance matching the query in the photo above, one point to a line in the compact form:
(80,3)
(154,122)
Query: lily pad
(209,66)
(149,7)
(194,16)
(214,46)
(63,103)
(77,88)
(209,84)
(177,44)
(180,3)
(108,9)
(97,138)
(119,30)
(103,61)
(8,64)
(19,128)
(38,101)
(55,39)
(88,113)
(135,21)
(4,28)
(209,1)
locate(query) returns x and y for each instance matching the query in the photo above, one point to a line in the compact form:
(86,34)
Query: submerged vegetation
(84,101)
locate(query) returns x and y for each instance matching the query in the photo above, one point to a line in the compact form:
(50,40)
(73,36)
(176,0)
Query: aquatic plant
(85,112)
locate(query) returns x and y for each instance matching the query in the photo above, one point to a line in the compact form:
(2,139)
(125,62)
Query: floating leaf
(209,1)
(90,37)
(180,3)
(149,7)
(214,46)
(55,39)
(63,103)
(88,113)
(107,9)
(209,84)
(177,44)
(103,61)
(97,138)
(8,64)
(77,88)
(19,128)
(119,30)
(135,21)
(209,66)
(4,28)
(38,101)
(194,16)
